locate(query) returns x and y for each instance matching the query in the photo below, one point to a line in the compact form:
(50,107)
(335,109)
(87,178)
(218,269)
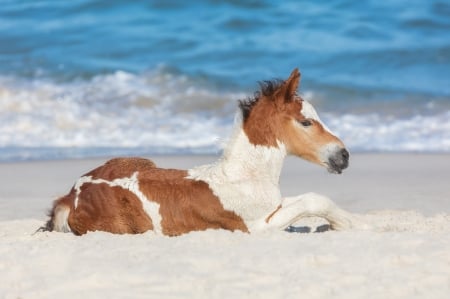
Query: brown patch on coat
(265,115)
(98,203)
(185,204)
(307,142)
(273,213)
(120,168)
(111,209)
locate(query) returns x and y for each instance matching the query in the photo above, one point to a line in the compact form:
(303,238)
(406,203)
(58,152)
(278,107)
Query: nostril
(345,154)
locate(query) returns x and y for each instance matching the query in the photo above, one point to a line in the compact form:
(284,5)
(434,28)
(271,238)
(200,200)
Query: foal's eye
(306,122)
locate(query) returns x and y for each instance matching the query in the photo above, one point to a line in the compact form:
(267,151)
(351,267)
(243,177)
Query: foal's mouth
(338,162)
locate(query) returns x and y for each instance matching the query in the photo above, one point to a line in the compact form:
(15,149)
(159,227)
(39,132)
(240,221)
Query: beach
(406,254)
(86,80)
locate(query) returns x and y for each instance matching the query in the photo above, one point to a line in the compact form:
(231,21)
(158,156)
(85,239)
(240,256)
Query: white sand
(406,197)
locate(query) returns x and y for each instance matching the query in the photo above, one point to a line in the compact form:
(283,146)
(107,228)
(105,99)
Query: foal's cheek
(300,142)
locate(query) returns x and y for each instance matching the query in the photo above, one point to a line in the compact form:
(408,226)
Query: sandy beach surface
(405,197)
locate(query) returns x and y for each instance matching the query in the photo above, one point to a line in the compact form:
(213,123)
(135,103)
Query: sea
(96,78)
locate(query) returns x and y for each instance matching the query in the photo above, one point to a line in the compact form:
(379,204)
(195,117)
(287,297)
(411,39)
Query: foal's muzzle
(338,161)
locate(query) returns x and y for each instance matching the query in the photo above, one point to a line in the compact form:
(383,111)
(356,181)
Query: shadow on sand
(307,229)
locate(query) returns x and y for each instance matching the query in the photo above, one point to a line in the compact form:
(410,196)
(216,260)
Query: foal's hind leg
(314,205)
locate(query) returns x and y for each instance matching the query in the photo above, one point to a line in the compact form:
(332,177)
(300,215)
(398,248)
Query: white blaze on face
(308,111)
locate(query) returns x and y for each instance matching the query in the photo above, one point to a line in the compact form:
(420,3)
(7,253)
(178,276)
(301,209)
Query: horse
(238,192)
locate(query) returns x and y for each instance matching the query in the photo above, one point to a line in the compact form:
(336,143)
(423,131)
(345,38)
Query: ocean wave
(159,112)
(119,109)
(374,132)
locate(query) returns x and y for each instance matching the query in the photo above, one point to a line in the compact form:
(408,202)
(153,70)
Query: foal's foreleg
(313,205)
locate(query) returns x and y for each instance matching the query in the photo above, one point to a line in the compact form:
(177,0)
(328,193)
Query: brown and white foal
(238,192)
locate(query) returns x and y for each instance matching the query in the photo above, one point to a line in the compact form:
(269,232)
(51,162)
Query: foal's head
(277,115)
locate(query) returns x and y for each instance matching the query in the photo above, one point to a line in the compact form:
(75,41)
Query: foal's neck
(243,162)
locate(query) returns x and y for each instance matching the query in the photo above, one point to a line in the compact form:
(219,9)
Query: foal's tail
(59,216)
(59,219)
(48,227)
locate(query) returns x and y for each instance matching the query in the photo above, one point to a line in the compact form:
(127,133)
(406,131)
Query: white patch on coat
(128,183)
(245,178)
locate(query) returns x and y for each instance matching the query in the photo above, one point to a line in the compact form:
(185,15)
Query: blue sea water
(85,78)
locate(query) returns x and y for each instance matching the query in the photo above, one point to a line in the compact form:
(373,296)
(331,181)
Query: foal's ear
(289,88)
(292,84)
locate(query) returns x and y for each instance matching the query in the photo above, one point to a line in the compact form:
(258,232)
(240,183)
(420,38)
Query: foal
(238,192)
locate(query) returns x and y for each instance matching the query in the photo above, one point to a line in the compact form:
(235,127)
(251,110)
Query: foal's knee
(316,204)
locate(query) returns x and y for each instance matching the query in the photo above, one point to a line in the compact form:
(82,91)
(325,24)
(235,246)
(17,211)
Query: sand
(406,197)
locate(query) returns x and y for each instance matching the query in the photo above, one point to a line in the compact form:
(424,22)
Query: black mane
(267,89)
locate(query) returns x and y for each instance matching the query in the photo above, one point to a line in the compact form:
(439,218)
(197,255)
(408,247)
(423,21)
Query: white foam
(117,110)
(377,133)
(160,111)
